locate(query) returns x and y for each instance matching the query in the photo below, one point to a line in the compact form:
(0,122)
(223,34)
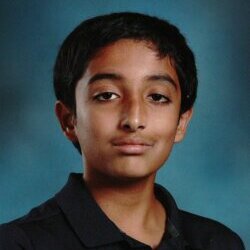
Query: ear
(67,120)
(183,124)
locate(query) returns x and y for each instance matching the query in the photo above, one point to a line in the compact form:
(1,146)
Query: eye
(106,96)
(159,98)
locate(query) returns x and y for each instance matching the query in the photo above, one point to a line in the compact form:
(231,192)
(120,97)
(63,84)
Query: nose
(133,115)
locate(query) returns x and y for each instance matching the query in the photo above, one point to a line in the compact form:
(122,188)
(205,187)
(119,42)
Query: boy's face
(127,112)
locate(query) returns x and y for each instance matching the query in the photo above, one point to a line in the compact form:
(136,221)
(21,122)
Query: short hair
(87,39)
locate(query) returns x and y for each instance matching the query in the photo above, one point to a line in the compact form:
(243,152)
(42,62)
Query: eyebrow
(162,77)
(112,76)
(104,76)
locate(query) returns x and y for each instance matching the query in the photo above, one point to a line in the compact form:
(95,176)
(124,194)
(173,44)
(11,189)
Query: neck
(127,194)
(130,204)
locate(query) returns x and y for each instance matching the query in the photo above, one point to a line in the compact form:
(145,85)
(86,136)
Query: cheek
(94,125)
(165,124)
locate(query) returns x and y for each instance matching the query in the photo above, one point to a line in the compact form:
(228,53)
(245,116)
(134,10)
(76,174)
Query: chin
(133,171)
(124,168)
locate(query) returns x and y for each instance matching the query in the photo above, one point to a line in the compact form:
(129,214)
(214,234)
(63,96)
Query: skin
(127,121)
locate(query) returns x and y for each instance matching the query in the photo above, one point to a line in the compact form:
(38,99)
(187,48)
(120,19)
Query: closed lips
(131,141)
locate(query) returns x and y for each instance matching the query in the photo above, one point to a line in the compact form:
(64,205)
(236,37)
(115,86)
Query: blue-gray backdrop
(208,173)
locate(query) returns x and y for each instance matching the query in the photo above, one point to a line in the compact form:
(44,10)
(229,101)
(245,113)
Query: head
(92,35)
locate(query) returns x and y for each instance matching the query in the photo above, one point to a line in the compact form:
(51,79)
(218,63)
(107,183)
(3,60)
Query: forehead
(132,59)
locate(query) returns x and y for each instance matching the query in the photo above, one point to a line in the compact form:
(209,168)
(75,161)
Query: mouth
(132,146)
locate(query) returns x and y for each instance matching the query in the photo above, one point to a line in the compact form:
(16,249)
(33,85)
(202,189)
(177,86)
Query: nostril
(132,127)
(141,127)
(126,126)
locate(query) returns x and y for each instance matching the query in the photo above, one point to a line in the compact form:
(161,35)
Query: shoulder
(18,233)
(200,231)
(13,237)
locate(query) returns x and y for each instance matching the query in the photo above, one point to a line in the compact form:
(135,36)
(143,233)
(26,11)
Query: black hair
(91,35)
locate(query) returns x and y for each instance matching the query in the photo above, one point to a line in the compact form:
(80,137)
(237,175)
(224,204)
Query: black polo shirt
(73,220)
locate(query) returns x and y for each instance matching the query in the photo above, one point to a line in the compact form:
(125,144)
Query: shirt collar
(173,213)
(91,224)
(84,215)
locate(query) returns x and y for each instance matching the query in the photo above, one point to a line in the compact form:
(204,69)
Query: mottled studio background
(208,173)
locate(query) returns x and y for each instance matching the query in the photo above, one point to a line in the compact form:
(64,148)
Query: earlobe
(183,124)
(66,119)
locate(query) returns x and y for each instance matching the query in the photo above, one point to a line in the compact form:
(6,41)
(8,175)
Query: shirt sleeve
(237,243)
(229,242)
(13,237)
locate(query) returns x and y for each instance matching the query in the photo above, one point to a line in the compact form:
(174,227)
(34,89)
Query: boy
(125,85)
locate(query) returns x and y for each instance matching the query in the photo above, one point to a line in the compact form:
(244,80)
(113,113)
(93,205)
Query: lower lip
(129,149)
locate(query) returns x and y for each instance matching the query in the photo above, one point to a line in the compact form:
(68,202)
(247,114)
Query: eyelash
(163,99)
(99,97)
(106,96)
